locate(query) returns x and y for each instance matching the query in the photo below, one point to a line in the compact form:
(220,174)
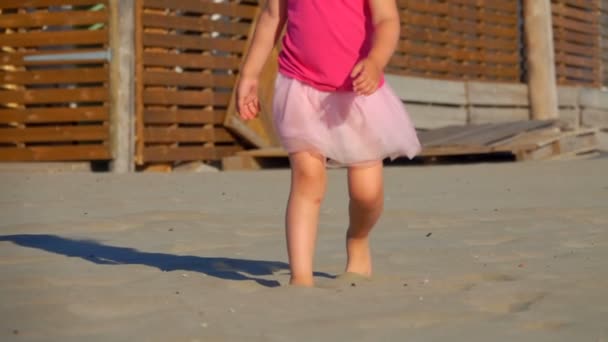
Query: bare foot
(359,257)
(302,282)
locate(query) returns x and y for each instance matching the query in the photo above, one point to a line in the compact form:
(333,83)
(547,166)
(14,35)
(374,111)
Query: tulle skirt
(344,127)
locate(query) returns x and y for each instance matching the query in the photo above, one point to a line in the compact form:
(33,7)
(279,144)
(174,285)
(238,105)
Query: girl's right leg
(308,182)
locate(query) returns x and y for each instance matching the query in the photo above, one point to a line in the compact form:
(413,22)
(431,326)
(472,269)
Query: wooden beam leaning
(540,59)
(122,85)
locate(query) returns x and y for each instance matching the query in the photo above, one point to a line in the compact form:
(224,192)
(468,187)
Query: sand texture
(488,252)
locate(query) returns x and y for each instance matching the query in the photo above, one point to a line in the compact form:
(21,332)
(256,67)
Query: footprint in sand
(468,282)
(511,299)
(546,325)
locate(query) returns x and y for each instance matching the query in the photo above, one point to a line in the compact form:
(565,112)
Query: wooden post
(122,85)
(542,85)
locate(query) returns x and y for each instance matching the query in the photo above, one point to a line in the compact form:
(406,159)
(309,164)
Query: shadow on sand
(93,251)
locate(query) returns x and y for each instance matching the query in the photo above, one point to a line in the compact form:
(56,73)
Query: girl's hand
(366,75)
(248,103)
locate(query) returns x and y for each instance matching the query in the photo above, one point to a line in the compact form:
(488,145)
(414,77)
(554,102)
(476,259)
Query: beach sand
(486,252)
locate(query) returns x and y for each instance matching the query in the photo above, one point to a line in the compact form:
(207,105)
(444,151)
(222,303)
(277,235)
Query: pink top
(324,41)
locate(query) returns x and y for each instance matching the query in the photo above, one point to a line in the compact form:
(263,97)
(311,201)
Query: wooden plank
(429,117)
(497,133)
(594,98)
(568,96)
(122,86)
(186,134)
(415,89)
(581,141)
(165,116)
(570,117)
(192,42)
(63,18)
(18,58)
(458,25)
(53,115)
(265,152)
(54,96)
(186,60)
(456,54)
(55,153)
(478,115)
(182,153)
(185,97)
(52,134)
(79,75)
(454,68)
(594,117)
(449,39)
(5,4)
(139,85)
(194,24)
(540,59)
(575,25)
(497,94)
(36,39)
(192,79)
(231,9)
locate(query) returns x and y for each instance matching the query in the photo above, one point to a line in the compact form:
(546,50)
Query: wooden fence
(459,39)
(188,54)
(55,97)
(54,80)
(576,32)
(604,40)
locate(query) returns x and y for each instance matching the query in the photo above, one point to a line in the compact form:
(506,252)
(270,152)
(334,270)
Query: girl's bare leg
(308,182)
(366,190)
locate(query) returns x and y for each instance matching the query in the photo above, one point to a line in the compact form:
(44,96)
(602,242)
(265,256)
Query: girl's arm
(385,17)
(367,73)
(267,32)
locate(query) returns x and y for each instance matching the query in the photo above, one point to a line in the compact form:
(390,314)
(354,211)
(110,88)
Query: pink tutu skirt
(344,127)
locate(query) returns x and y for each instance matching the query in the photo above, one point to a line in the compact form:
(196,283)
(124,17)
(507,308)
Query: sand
(486,252)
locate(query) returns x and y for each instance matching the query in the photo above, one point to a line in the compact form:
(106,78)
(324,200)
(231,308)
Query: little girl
(331,103)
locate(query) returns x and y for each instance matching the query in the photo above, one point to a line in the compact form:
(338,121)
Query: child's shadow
(223,268)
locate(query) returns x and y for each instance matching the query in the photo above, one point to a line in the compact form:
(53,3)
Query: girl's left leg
(366,190)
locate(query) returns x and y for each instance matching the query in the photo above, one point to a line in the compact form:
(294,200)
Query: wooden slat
(52,115)
(63,18)
(55,153)
(47,3)
(160,116)
(192,42)
(451,39)
(192,79)
(194,24)
(415,89)
(80,75)
(497,94)
(430,117)
(448,23)
(230,9)
(410,48)
(35,39)
(167,154)
(455,69)
(190,98)
(478,115)
(190,60)
(54,95)
(18,58)
(186,134)
(52,134)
